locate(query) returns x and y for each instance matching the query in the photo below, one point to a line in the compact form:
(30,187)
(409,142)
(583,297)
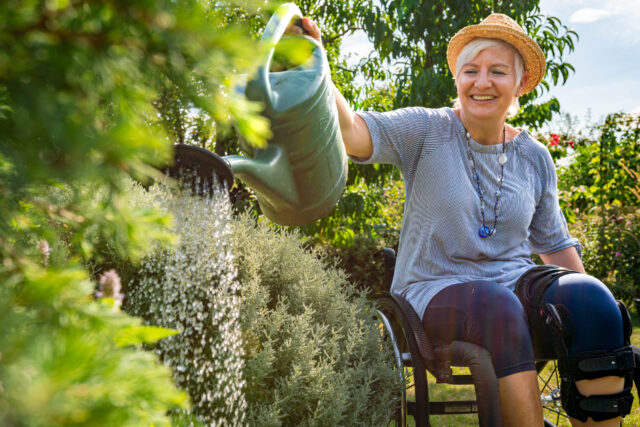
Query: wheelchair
(416,358)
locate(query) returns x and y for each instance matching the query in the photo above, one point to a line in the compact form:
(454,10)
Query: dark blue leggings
(491,316)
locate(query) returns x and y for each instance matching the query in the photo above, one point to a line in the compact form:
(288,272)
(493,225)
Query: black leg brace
(591,365)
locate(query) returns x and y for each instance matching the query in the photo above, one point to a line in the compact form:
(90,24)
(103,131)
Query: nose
(483,80)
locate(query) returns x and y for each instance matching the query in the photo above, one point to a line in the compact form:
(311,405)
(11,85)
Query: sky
(606,57)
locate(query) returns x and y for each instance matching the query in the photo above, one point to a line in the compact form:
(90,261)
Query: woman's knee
(595,319)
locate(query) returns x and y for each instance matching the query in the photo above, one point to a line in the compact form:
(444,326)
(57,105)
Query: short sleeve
(397,135)
(548,231)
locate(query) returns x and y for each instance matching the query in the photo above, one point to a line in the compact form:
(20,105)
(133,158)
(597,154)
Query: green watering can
(300,175)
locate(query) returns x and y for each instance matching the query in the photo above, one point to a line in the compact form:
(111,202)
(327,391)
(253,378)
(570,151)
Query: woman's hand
(312,29)
(309,26)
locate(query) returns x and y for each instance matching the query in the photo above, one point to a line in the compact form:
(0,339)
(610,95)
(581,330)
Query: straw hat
(499,26)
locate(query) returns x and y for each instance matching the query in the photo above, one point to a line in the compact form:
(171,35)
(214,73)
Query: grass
(439,392)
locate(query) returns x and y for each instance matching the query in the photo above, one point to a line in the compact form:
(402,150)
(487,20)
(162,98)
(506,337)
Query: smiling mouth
(482,98)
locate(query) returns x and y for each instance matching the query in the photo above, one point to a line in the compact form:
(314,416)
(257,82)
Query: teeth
(483,98)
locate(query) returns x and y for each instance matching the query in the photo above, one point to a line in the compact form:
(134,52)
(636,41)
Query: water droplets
(192,287)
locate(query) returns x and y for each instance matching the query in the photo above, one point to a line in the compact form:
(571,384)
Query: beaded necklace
(485,231)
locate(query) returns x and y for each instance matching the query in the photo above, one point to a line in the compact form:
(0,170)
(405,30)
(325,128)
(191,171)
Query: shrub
(192,287)
(64,361)
(353,242)
(313,351)
(611,240)
(595,177)
(362,262)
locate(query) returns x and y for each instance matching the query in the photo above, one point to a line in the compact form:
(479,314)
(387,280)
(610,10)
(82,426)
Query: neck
(486,132)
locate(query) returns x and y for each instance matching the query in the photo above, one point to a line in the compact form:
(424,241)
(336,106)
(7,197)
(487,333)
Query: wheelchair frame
(413,352)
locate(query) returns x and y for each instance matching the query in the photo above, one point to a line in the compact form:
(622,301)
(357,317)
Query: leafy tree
(411,39)
(77,83)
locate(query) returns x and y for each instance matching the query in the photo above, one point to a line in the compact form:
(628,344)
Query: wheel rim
(412,371)
(401,411)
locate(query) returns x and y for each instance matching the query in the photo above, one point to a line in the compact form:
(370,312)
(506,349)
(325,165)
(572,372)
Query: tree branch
(332,39)
(344,69)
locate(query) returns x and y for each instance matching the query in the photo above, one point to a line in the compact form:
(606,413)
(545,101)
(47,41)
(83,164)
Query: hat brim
(532,55)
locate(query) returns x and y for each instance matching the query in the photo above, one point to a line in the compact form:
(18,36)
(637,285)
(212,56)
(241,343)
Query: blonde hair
(473,49)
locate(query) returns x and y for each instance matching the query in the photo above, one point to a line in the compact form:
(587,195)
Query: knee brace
(591,365)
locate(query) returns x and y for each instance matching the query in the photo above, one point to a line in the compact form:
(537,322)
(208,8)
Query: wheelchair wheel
(413,401)
(549,384)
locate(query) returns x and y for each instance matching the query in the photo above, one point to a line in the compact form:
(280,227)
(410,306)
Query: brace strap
(598,407)
(598,364)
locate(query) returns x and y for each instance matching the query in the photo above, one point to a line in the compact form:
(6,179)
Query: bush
(64,358)
(362,261)
(353,242)
(313,351)
(611,252)
(595,176)
(192,287)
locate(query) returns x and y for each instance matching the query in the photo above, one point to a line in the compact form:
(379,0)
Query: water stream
(192,287)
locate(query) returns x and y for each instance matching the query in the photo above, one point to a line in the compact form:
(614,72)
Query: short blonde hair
(473,49)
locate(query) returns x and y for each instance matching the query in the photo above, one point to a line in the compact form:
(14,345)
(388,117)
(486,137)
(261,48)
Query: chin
(488,112)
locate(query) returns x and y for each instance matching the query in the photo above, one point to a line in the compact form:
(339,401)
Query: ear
(523,83)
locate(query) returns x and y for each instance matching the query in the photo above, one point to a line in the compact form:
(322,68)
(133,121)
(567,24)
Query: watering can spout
(269,173)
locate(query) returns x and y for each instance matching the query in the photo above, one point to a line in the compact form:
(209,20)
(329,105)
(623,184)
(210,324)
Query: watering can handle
(275,29)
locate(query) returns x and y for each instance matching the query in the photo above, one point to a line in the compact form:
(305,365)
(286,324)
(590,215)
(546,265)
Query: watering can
(300,175)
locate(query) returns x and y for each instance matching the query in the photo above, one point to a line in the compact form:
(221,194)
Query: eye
(470,71)
(499,73)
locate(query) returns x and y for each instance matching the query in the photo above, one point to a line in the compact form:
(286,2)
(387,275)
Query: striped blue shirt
(439,242)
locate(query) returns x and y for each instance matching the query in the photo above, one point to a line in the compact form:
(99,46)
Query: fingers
(312,29)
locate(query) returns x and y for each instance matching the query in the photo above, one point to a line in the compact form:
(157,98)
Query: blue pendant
(484,232)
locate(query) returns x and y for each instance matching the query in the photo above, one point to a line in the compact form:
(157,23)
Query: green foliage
(596,190)
(362,262)
(61,359)
(372,210)
(77,84)
(601,173)
(353,242)
(611,239)
(192,287)
(312,347)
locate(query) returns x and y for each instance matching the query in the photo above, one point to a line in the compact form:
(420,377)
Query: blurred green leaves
(78,84)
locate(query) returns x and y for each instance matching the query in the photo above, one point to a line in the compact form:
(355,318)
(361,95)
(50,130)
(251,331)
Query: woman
(481,196)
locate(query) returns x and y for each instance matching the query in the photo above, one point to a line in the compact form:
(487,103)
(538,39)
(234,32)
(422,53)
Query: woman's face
(487,84)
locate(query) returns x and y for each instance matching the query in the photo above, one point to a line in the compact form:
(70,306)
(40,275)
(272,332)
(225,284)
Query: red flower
(555,139)
(571,143)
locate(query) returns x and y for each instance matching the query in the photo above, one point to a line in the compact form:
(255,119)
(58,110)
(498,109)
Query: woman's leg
(596,327)
(489,315)
(520,399)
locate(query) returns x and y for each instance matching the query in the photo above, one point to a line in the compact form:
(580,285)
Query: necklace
(485,231)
